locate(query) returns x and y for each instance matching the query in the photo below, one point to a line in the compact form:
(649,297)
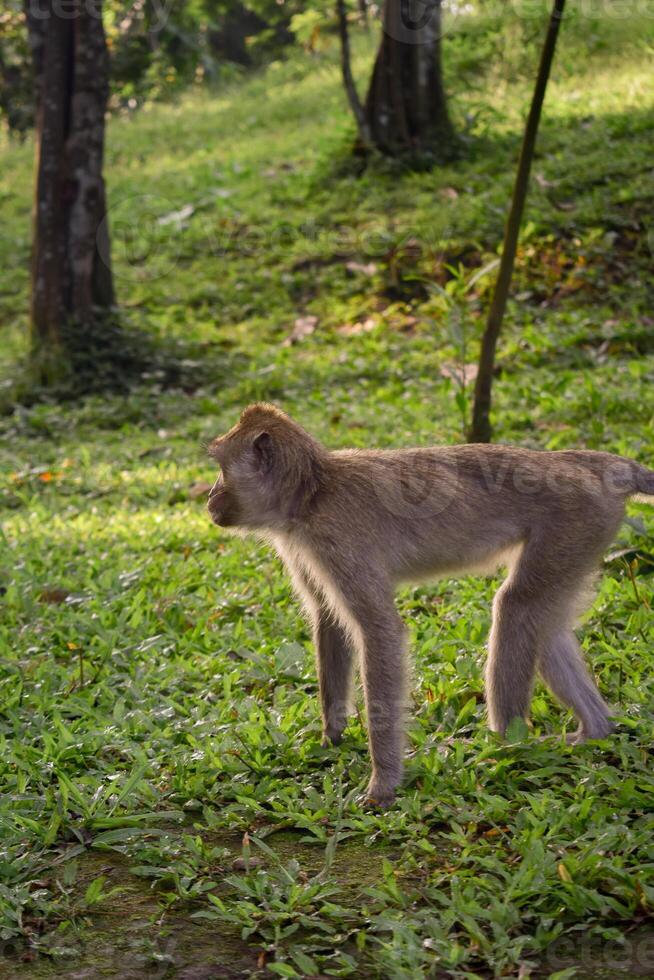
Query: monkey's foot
(381,793)
(332,737)
(376,802)
(598,731)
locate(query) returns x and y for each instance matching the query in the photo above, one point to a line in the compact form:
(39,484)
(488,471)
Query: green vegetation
(158,694)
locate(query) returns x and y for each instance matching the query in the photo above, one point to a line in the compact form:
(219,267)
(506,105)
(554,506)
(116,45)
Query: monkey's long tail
(643,484)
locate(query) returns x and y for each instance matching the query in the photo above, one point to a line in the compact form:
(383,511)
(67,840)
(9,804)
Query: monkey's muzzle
(219,505)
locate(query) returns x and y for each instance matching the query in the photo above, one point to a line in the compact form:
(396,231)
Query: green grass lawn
(158,691)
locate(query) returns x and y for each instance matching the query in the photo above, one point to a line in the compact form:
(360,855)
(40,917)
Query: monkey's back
(454,507)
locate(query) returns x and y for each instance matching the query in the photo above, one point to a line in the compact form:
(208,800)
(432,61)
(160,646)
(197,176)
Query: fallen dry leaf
(353,329)
(543,182)
(176,217)
(53,595)
(199,489)
(564,205)
(303,326)
(412,248)
(367,268)
(461,373)
(408,323)
(563,872)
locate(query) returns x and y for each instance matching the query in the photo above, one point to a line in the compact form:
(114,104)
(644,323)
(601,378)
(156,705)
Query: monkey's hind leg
(530,607)
(512,654)
(532,626)
(563,669)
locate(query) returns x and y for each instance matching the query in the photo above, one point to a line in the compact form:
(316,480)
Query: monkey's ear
(263,451)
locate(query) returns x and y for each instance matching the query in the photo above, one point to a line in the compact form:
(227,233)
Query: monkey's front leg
(334,661)
(384,682)
(334,655)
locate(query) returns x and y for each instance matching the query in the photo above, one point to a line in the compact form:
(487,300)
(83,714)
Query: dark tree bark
(36,17)
(480,430)
(406,108)
(228,41)
(348,79)
(71,270)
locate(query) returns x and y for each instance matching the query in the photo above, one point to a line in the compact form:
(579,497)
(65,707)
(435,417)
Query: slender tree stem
(348,78)
(480,430)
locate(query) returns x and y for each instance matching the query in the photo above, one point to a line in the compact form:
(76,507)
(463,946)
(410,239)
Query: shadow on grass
(133,935)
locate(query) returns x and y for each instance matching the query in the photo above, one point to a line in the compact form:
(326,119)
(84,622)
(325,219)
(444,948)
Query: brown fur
(352,524)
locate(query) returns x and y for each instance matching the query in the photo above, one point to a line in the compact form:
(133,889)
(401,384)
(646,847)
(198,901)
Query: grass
(158,692)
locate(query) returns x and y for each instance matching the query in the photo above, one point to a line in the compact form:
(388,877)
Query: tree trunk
(71,270)
(228,41)
(406,107)
(481,430)
(36,18)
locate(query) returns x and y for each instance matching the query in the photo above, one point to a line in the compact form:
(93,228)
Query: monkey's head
(271,471)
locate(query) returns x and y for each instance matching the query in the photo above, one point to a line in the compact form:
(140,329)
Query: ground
(165,803)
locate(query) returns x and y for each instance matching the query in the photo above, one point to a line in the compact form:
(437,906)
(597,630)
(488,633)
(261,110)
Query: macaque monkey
(351,524)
